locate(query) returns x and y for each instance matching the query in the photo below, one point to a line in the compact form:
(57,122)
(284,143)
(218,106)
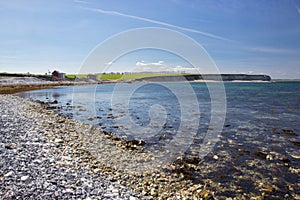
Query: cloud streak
(80,2)
(272,50)
(8,57)
(298,9)
(108,12)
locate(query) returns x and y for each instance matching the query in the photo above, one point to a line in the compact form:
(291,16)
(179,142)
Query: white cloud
(181,69)
(161,66)
(142,63)
(108,12)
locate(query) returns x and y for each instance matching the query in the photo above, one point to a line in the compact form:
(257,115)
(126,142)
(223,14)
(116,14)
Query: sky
(249,36)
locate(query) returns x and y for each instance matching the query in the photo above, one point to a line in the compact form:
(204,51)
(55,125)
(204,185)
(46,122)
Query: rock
(9,174)
(244,151)
(10,146)
(295,143)
(261,154)
(285,160)
(115,191)
(53,102)
(153,192)
(58,140)
(91,118)
(294,170)
(63,163)
(60,121)
(131,144)
(295,156)
(215,157)
(133,198)
(161,137)
(288,132)
(269,157)
(191,159)
(24,178)
(68,190)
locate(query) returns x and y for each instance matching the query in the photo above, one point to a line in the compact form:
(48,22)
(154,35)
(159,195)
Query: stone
(9,174)
(215,157)
(68,190)
(295,156)
(24,178)
(295,143)
(58,140)
(261,154)
(269,157)
(288,132)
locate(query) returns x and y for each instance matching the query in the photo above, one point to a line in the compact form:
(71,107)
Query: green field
(128,77)
(72,76)
(118,76)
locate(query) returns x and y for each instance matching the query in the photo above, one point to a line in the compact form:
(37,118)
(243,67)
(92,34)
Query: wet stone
(288,132)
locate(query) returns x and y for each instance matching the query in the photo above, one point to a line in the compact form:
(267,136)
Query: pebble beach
(35,164)
(47,156)
(43,157)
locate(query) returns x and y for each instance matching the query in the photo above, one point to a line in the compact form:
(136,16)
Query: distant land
(151,77)
(18,82)
(210,77)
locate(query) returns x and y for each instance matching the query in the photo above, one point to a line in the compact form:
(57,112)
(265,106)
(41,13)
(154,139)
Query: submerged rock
(261,154)
(295,143)
(132,144)
(287,132)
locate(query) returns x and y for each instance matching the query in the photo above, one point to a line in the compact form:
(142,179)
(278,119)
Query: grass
(110,76)
(131,76)
(72,76)
(118,76)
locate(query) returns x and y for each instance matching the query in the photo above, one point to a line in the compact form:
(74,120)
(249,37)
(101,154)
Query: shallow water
(259,144)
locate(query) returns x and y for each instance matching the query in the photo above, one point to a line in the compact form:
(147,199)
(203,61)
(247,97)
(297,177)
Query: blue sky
(249,36)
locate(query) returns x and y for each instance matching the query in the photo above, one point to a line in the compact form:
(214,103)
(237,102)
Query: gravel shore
(37,165)
(49,156)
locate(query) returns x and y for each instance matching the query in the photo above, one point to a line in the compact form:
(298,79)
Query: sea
(258,124)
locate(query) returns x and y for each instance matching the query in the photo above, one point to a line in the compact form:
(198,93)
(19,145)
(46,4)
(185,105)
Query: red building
(58,75)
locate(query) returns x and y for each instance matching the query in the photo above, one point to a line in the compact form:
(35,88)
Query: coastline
(64,137)
(11,86)
(67,140)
